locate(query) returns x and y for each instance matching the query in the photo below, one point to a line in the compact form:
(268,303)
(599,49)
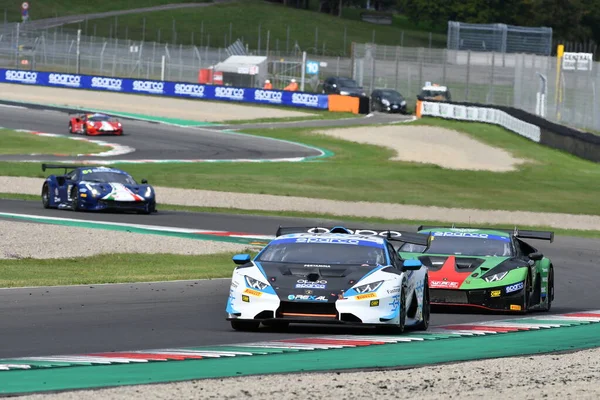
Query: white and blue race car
(330,275)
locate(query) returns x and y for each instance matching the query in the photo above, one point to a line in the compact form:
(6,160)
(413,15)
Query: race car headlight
(148,192)
(496,277)
(385,102)
(255,284)
(369,287)
(95,192)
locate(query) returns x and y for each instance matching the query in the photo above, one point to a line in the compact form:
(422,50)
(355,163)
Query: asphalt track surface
(67,320)
(156,141)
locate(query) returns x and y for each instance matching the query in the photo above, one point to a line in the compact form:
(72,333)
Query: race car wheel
(70,127)
(550,290)
(527,290)
(75,199)
(424,324)
(45,196)
(85,132)
(401,319)
(245,325)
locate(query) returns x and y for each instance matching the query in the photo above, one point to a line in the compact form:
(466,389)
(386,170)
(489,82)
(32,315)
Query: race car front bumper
(494,299)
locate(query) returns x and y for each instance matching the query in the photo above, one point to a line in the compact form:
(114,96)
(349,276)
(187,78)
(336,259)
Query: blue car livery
(86,188)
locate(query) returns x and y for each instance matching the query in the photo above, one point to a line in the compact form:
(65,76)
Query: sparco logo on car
(21,76)
(514,288)
(362,232)
(305,99)
(189,90)
(148,86)
(229,93)
(267,95)
(65,80)
(107,83)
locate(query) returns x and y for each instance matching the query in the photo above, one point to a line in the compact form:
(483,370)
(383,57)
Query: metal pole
(345,38)
(303,72)
(162,67)
(468,75)
(492,78)
(78,50)
(143,29)
(258,45)
(174,33)
(17,44)
(316,38)
(287,41)
(268,39)
(397,67)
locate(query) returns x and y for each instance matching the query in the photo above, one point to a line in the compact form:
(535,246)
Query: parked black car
(388,100)
(343,86)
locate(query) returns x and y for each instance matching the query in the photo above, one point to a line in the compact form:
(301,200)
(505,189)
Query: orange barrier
(418,109)
(340,103)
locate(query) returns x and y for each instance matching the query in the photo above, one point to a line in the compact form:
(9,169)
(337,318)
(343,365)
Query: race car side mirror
(144,181)
(241,259)
(412,265)
(536,256)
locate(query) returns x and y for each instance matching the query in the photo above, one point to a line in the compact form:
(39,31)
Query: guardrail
(166,88)
(581,144)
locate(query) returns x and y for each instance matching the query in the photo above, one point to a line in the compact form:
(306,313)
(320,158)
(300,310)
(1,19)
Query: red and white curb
(280,346)
(115,149)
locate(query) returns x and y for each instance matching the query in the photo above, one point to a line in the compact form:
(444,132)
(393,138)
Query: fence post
(17,44)
(143,29)
(230,32)
(162,67)
(373,55)
(78,50)
(345,38)
(397,66)
(316,38)
(444,66)
(492,78)
(421,51)
(258,45)
(303,72)
(468,75)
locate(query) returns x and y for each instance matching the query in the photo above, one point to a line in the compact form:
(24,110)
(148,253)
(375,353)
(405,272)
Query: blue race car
(88,188)
(331,276)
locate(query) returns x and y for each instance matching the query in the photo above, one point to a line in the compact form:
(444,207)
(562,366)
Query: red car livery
(95,124)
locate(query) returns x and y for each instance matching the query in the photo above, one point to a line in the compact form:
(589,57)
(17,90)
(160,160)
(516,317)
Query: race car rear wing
(393,235)
(61,166)
(522,234)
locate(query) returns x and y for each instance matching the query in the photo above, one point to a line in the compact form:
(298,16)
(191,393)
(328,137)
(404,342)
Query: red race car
(95,124)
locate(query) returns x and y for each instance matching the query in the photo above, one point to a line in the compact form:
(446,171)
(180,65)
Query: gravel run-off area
(567,376)
(194,110)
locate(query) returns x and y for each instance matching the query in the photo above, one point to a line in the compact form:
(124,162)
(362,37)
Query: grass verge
(14,142)
(328,217)
(114,268)
(221,24)
(317,116)
(553,181)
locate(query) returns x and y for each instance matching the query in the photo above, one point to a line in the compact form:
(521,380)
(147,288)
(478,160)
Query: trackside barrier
(165,88)
(479,114)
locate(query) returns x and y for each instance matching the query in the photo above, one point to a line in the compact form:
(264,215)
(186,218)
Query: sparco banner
(169,89)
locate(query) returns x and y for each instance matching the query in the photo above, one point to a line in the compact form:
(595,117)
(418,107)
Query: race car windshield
(101,118)
(463,246)
(433,93)
(323,253)
(109,177)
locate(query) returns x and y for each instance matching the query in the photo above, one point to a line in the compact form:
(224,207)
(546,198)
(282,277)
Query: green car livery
(492,269)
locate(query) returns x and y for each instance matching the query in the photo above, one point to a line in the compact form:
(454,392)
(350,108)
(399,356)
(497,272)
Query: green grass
(211,26)
(552,182)
(40,9)
(14,142)
(318,115)
(114,268)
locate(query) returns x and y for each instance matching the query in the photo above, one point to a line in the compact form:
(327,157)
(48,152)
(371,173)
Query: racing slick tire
(45,195)
(75,199)
(550,290)
(71,128)
(527,291)
(245,325)
(85,132)
(424,324)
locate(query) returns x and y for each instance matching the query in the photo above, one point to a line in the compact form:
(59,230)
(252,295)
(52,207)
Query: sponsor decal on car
(245,298)
(229,93)
(149,87)
(189,90)
(514,288)
(107,83)
(374,303)
(318,266)
(65,80)
(21,76)
(327,240)
(253,292)
(365,296)
(268,95)
(444,284)
(305,99)
(305,297)
(515,307)
(495,293)
(304,284)
(395,290)
(362,232)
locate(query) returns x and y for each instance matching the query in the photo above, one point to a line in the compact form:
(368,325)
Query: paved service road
(64,320)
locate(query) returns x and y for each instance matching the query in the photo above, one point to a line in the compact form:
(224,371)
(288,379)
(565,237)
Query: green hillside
(220,24)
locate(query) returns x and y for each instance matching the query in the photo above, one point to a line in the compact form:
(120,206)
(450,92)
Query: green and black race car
(492,269)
